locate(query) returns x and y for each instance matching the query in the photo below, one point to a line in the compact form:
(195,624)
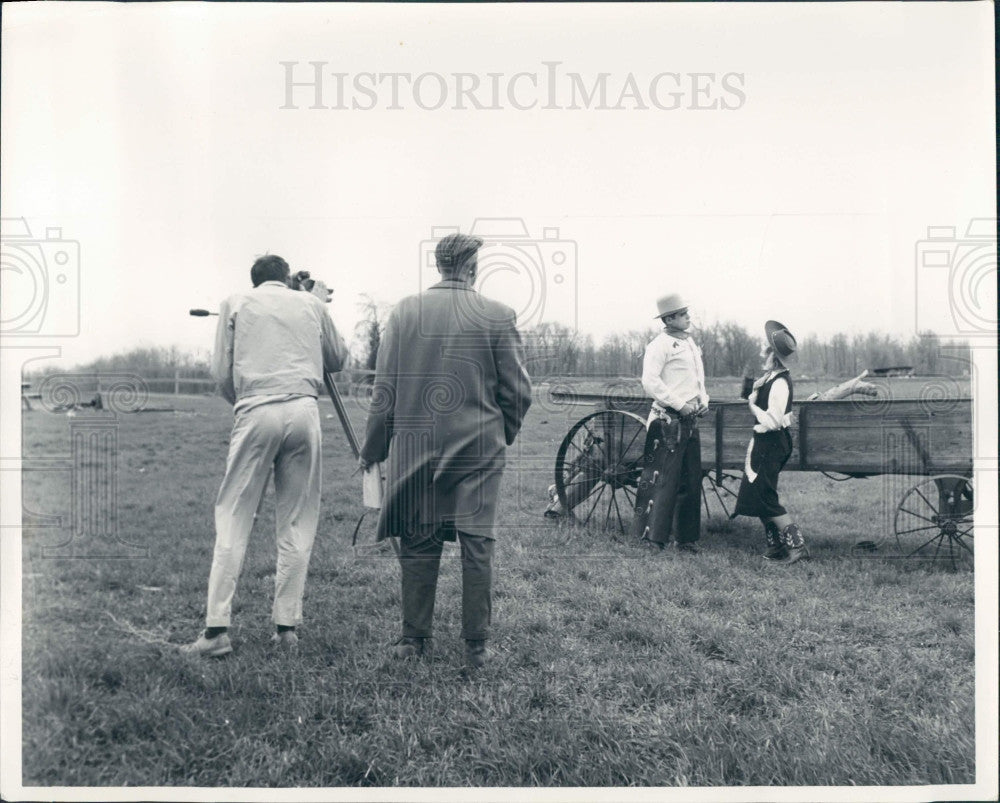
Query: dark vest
(764,392)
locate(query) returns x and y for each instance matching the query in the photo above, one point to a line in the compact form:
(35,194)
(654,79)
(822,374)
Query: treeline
(556,350)
(148,361)
(728,349)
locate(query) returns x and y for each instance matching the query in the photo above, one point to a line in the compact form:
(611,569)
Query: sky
(767,161)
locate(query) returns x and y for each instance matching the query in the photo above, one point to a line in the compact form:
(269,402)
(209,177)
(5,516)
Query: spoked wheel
(934,519)
(721,491)
(598,467)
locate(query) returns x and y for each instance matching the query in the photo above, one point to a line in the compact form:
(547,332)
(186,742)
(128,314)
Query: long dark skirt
(768,453)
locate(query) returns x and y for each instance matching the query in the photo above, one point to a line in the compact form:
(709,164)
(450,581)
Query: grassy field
(612,666)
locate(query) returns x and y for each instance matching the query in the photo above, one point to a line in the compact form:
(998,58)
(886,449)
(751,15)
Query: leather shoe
(408,647)
(476,653)
(209,647)
(685,547)
(287,640)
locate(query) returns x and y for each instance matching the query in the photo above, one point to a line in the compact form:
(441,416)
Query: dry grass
(612,667)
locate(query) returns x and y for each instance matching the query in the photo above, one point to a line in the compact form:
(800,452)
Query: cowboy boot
(794,543)
(775,545)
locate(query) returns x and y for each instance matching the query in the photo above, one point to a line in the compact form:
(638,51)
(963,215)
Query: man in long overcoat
(449,396)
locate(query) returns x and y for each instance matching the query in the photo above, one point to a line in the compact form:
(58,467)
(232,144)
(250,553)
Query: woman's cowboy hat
(668,305)
(782,341)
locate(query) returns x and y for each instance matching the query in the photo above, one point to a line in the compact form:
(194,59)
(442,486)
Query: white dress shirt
(673,373)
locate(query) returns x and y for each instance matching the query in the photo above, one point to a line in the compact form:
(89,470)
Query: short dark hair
(455,269)
(268,268)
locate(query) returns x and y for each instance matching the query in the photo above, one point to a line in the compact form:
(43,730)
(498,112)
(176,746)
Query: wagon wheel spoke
(607,516)
(584,456)
(920,493)
(591,492)
(594,456)
(598,441)
(936,513)
(965,546)
(584,481)
(917,529)
(919,516)
(937,548)
(631,442)
(596,500)
(938,537)
(720,490)
(618,513)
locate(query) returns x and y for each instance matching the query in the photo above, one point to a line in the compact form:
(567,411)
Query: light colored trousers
(285,435)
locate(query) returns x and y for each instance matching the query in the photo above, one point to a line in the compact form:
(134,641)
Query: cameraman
(272,347)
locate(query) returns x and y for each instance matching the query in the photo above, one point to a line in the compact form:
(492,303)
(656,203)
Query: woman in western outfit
(770,447)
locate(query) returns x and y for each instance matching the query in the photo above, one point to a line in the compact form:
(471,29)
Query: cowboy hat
(670,304)
(782,342)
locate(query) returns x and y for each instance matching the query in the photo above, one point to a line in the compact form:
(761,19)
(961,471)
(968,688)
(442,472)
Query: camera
(301,280)
(41,282)
(958,275)
(537,277)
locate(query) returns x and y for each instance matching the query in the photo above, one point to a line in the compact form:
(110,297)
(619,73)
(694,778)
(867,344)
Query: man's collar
(272,282)
(681,335)
(452,284)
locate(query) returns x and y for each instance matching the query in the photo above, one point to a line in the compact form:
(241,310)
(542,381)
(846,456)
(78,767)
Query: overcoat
(450,393)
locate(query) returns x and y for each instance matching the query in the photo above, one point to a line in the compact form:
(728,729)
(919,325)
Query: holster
(662,441)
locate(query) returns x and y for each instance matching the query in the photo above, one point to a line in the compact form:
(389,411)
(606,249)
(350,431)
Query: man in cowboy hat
(669,498)
(449,396)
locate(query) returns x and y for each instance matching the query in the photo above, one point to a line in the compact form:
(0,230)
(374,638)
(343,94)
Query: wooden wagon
(599,461)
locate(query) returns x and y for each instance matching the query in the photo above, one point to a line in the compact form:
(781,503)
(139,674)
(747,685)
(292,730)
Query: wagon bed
(851,437)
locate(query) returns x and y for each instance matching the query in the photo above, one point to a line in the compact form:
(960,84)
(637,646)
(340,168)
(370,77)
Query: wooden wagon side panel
(897,437)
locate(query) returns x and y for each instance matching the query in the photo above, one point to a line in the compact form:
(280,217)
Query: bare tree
(368,331)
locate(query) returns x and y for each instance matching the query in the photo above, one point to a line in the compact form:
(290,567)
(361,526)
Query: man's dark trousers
(420,563)
(676,493)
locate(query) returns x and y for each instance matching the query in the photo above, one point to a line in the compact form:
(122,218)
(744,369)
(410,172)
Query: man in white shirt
(272,347)
(669,496)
